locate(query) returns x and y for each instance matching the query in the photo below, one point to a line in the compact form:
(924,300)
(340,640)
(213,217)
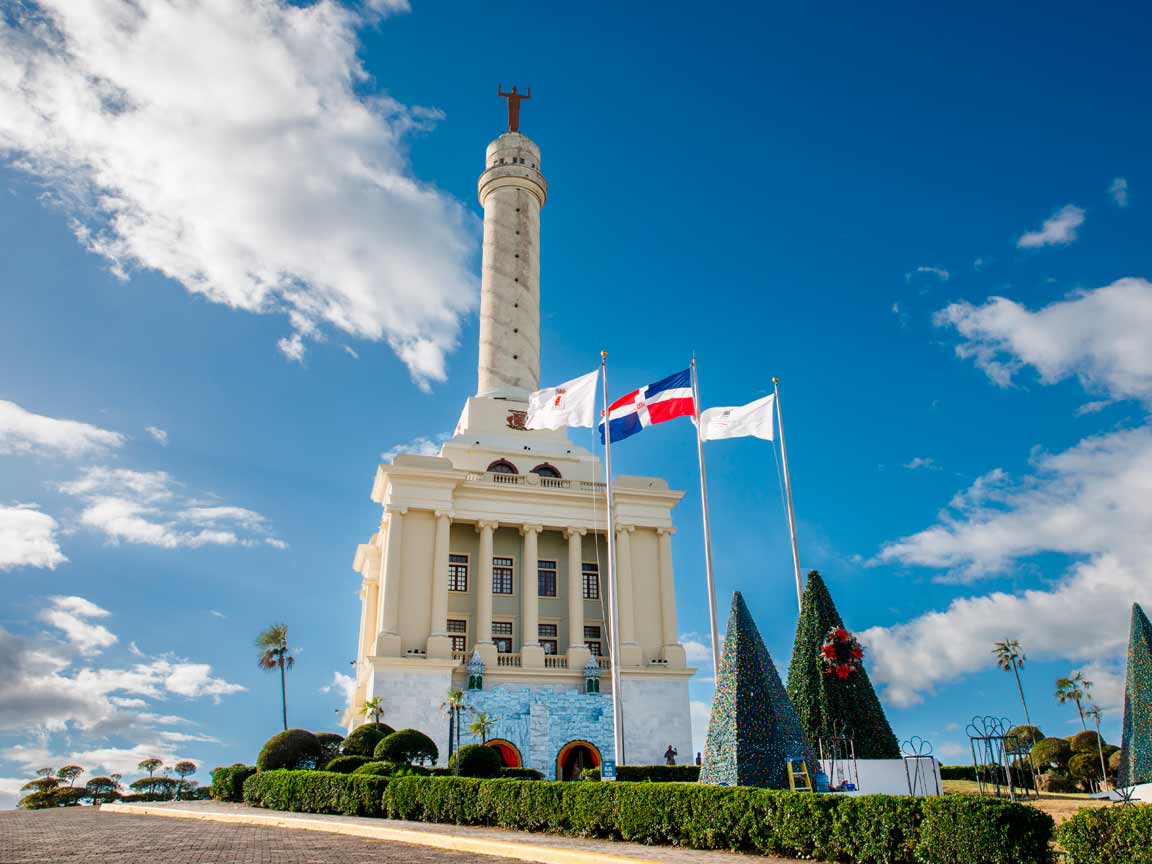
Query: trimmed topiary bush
(1108,836)
(346,764)
(1114,762)
(228,781)
(1084,742)
(519,774)
(292,749)
(968,830)
(1052,753)
(406,747)
(1084,768)
(376,769)
(317,792)
(362,740)
(476,760)
(653,773)
(1022,737)
(330,744)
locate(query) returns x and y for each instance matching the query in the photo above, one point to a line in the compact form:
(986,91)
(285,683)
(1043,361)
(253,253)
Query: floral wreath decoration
(841,654)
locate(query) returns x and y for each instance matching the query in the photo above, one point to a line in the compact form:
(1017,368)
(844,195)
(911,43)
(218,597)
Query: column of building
(388,626)
(578,652)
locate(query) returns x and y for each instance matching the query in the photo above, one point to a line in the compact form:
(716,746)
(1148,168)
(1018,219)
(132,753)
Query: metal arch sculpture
(917,751)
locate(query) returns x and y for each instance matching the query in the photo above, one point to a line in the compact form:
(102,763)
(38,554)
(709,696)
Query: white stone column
(578,652)
(483,640)
(531,654)
(391,578)
(673,650)
(439,642)
(629,648)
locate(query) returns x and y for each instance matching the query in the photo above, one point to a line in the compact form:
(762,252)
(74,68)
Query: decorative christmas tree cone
(827,681)
(1136,741)
(753,729)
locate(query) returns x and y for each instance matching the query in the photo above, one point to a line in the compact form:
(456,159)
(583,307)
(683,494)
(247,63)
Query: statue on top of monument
(514,99)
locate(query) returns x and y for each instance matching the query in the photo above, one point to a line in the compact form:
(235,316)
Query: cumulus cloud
(696,649)
(1118,191)
(239,148)
(343,684)
(1059,229)
(158,434)
(28,538)
(924,271)
(22,432)
(148,508)
(917,463)
(1098,336)
(424,445)
(71,616)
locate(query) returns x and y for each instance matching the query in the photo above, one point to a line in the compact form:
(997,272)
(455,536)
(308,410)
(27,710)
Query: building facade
(489,570)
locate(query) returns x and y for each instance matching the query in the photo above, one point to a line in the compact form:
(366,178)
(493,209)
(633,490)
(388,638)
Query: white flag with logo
(573,403)
(753,419)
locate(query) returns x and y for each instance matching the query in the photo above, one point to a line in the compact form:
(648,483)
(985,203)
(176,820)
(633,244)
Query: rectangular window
(592,640)
(458,632)
(591,573)
(502,636)
(548,637)
(502,576)
(546,575)
(457,572)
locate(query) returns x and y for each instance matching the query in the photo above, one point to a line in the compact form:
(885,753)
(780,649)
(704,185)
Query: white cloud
(194,680)
(22,432)
(1059,229)
(70,615)
(425,445)
(157,434)
(351,352)
(1118,190)
(696,650)
(146,507)
(1092,407)
(343,684)
(1098,336)
(240,148)
(921,462)
(28,538)
(292,347)
(216,614)
(938,273)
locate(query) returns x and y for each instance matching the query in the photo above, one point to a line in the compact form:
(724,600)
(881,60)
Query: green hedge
(317,792)
(655,773)
(957,772)
(228,781)
(1108,836)
(868,829)
(520,773)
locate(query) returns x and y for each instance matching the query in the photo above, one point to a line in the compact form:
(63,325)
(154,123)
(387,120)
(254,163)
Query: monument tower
(488,571)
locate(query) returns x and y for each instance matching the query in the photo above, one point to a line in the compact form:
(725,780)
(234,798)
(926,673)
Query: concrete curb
(449,842)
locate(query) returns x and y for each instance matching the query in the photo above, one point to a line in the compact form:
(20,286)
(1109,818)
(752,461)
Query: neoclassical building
(489,570)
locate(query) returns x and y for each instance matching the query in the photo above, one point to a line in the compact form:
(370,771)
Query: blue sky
(253,228)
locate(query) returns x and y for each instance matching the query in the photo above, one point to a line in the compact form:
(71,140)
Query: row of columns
(385,599)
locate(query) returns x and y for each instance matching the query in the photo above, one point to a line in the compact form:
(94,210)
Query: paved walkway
(84,835)
(473,841)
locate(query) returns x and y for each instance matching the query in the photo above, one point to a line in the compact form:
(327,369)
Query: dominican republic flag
(662,400)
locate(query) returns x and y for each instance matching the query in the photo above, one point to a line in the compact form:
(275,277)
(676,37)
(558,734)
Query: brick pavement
(82,834)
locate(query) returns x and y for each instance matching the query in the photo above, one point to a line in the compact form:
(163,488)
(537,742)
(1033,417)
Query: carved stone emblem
(517,419)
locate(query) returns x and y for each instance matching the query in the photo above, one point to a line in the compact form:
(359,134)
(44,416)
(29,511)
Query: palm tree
(1010,658)
(1094,712)
(374,708)
(1074,688)
(453,706)
(482,725)
(274,642)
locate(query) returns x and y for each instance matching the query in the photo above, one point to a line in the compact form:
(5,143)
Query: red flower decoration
(841,654)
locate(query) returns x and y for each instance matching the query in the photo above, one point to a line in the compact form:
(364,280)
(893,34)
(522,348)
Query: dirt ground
(1058,805)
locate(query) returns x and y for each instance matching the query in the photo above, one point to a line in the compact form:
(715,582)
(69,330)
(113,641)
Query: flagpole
(613,608)
(788,494)
(707,530)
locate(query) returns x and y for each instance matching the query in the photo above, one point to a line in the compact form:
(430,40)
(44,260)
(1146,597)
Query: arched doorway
(574,758)
(509,754)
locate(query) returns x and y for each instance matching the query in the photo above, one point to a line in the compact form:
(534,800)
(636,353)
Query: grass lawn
(1058,805)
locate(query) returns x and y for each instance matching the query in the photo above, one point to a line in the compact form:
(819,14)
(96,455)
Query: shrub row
(655,773)
(228,781)
(957,772)
(1105,836)
(317,792)
(868,829)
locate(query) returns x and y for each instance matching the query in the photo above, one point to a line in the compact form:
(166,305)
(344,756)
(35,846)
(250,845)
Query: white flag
(573,403)
(753,419)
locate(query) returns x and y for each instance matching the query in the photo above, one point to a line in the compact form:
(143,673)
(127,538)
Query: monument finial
(514,100)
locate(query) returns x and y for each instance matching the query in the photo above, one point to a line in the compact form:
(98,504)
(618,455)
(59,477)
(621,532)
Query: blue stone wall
(541,720)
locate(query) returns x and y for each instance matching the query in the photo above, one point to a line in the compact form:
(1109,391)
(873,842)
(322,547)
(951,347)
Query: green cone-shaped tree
(753,728)
(825,702)
(1136,741)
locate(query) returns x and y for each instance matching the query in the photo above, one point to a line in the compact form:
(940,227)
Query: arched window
(502,466)
(546,470)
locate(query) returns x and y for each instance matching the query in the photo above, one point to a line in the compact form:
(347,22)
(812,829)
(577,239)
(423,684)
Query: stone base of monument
(887,776)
